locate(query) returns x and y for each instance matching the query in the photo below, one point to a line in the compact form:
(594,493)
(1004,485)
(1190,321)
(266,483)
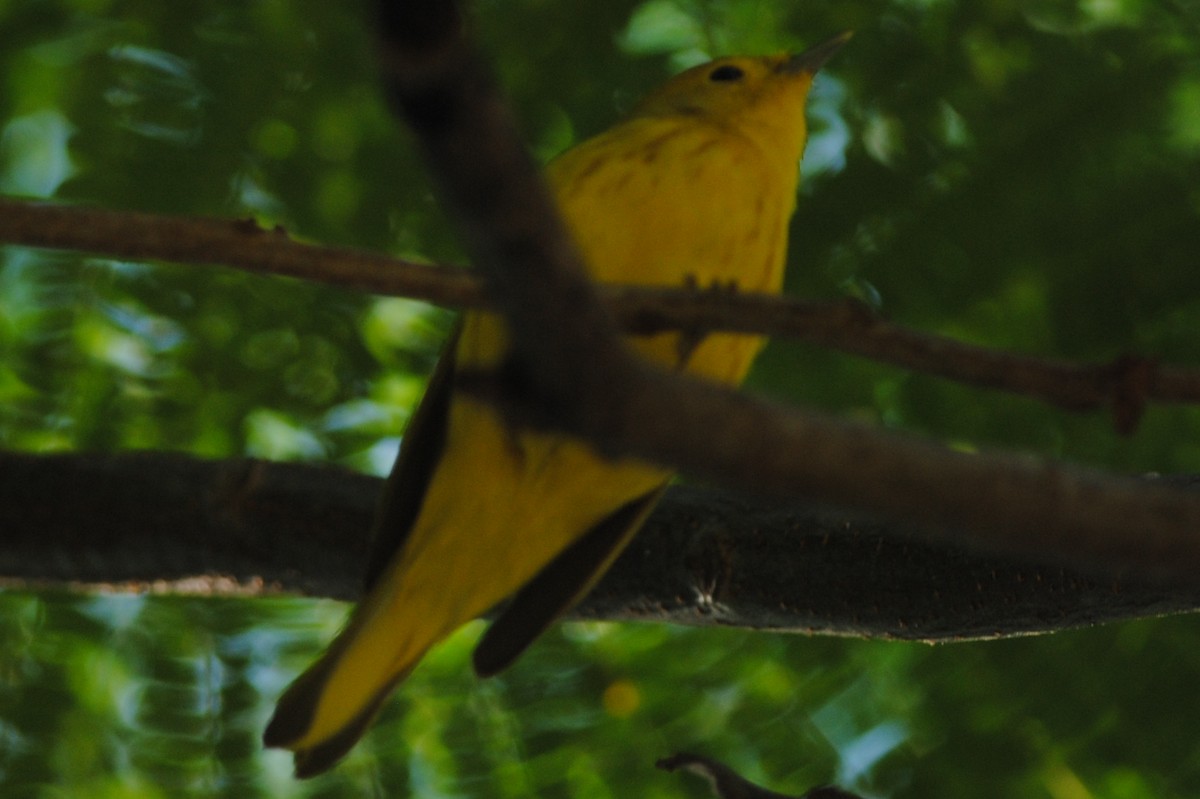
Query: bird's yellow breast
(674,201)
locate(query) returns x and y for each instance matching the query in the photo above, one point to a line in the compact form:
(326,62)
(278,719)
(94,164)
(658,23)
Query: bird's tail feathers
(292,726)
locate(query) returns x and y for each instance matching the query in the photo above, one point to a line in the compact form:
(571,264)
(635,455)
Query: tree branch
(169,523)
(1127,383)
(240,244)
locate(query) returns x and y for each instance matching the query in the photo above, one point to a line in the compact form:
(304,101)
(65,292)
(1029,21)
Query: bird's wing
(400,502)
(559,585)
(420,450)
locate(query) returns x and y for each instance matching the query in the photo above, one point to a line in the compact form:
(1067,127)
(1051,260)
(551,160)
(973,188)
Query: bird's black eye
(726,73)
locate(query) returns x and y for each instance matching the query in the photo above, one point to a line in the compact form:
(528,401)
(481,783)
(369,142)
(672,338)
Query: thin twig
(240,244)
(728,784)
(1126,383)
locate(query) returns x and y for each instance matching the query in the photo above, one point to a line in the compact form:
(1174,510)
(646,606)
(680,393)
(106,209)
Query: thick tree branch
(572,373)
(175,524)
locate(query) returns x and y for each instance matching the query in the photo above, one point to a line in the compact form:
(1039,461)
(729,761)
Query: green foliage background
(1024,174)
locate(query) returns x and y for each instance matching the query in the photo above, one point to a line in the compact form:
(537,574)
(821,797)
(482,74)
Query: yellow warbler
(696,186)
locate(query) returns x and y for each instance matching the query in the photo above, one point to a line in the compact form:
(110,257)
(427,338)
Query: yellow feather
(697,186)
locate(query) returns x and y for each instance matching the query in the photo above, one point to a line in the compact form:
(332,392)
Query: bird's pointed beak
(815,57)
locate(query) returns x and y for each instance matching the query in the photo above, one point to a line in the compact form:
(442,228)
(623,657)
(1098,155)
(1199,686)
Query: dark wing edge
(420,450)
(559,585)
(294,717)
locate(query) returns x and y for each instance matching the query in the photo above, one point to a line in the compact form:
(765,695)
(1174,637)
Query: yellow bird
(696,186)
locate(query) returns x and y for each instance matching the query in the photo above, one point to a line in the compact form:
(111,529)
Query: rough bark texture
(174,524)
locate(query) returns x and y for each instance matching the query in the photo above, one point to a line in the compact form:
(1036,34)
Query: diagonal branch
(567,353)
(582,381)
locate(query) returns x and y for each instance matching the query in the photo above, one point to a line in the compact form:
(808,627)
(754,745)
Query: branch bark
(1125,384)
(169,523)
